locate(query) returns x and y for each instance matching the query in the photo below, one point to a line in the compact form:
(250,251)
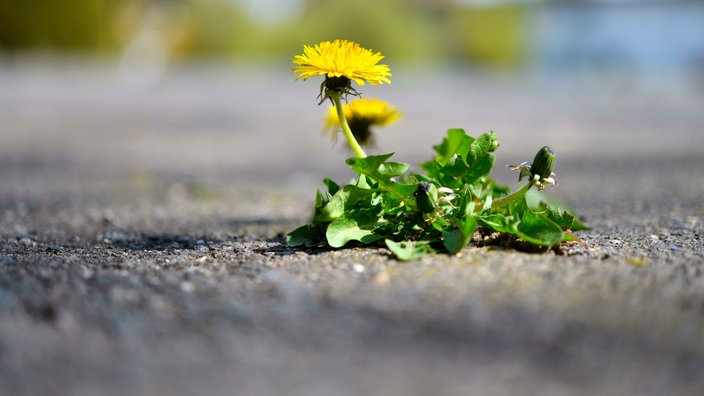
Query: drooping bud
(543,163)
(426,197)
(361,129)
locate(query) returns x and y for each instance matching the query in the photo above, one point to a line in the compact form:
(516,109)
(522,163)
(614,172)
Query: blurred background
(630,41)
(128,123)
(203,88)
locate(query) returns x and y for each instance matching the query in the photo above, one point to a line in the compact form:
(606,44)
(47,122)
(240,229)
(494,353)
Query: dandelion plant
(413,213)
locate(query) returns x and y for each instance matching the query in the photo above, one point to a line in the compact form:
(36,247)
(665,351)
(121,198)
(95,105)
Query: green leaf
(465,205)
(343,200)
(370,163)
(331,185)
(562,218)
(319,200)
(479,168)
(461,156)
(455,166)
(577,225)
(499,223)
(457,238)
(538,229)
(478,159)
(569,236)
(376,168)
(357,225)
(484,144)
(362,182)
(406,190)
(457,142)
(309,235)
(408,250)
(557,212)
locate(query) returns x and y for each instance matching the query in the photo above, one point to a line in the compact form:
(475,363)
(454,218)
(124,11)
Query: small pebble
(27,242)
(382,278)
(54,248)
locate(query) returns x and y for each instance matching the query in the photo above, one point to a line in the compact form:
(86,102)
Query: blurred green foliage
(494,36)
(76,24)
(405,30)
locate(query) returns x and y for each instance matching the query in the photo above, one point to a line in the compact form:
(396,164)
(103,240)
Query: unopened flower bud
(543,163)
(426,197)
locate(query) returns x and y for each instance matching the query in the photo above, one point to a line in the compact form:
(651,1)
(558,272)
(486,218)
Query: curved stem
(517,194)
(356,148)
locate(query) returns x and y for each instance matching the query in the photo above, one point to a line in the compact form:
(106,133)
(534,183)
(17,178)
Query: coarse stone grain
(142,244)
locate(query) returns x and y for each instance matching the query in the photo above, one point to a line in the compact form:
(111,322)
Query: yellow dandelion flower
(341,61)
(361,115)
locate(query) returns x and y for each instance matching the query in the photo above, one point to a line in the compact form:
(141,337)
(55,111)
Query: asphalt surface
(142,250)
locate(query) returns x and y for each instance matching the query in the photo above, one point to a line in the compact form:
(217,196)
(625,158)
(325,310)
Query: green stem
(517,194)
(356,148)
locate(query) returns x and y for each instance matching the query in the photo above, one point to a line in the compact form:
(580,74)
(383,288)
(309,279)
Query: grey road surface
(142,249)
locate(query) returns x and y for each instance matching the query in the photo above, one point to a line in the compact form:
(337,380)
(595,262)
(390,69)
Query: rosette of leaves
(436,211)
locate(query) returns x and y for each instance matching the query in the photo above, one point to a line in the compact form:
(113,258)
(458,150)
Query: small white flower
(449,195)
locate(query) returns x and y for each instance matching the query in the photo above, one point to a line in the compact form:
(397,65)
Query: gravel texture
(142,242)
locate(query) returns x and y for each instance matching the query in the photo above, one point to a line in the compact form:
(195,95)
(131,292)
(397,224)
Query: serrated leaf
(538,229)
(558,212)
(376,168)
(577,225)
(562,218)
(370,163)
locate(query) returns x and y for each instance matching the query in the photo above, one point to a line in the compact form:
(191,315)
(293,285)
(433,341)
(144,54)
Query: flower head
(361,115)
(341,62)
(341,58)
